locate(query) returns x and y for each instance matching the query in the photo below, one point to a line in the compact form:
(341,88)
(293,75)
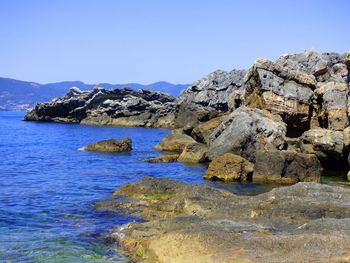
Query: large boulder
(176,141)
(286,167)
(210,96)
(194,153)
(112,145)
(245,131)
(229,167)
(280,90)
(328,145)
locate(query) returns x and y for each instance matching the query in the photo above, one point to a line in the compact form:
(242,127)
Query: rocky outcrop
(245,131)
(281,90)
(229,167)
(286,167)
(196,223)
(209,97)
(112,145)
(194,153)
(176,141)
(124,107)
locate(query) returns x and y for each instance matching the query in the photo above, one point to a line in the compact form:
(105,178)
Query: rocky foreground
(287,119)
(306,222)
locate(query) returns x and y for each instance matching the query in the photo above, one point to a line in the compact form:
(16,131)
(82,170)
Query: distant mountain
(20,95)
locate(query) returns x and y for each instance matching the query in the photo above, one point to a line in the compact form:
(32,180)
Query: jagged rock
(168,158)
(197,223)
(246,130)
(202,132)
(328,145)
(174,142)
(322,66)
(194,153)
(229,167)
(112,145)
(281,90)
(333,98)
(287,167)
(123,107)
(209,97)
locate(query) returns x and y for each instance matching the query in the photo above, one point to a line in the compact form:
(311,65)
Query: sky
(144,41)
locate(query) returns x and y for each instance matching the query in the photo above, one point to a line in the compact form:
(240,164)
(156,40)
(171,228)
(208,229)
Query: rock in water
(197,223)
(168,158)
(174,142)
(122,107)
(229,167)
(112,145)
(286,167)
(194,153)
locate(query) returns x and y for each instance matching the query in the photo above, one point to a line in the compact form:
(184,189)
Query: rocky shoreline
(306,222)
(278,122)
(289,118)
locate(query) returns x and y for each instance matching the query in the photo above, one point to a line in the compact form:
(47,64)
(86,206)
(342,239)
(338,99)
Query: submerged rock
(168,158)
(197,223)
(229,167)
(112,145)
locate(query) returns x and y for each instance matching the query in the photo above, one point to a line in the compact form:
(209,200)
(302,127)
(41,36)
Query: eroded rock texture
(306,222)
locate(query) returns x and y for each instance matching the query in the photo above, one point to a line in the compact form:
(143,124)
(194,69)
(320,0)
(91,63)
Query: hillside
(21,95)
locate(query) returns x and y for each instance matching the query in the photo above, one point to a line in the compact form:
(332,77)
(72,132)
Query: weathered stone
(124,107)
(334,105)
(202,132)
(287,167)
(174,142)
(327,144)
(281,90)
(229,167)
(246,130)
(168,158)
(210,96)
(112,145)
(194,153)
(196,223)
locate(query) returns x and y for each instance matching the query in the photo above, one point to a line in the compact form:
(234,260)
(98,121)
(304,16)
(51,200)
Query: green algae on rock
(197,223)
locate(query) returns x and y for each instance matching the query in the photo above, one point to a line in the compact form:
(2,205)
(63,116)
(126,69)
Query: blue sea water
(48,187)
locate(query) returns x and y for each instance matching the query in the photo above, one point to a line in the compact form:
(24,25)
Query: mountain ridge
(21,95)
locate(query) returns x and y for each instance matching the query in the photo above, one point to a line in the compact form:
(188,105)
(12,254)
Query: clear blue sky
(150,40)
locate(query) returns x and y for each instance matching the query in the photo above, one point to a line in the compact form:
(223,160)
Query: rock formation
(124,107)
(295,109)
(306,222)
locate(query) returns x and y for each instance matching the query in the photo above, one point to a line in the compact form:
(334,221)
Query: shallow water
(48,187)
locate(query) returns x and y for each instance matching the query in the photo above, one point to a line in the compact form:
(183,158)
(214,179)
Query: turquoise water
(48,187)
